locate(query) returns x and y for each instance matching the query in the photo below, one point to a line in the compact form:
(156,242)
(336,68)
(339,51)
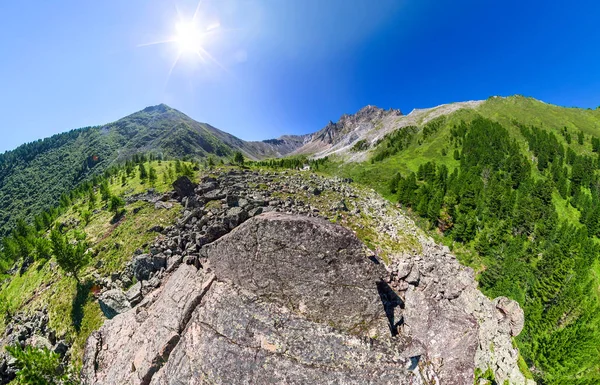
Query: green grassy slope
(73,311)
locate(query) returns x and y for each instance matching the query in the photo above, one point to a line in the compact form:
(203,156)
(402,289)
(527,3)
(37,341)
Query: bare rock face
(511,313)
(280,300)
(233,338)
(314,268)
(131,347)
(453,320)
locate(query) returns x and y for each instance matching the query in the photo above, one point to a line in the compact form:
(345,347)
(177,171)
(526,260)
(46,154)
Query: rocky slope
(365,128)
(254,285)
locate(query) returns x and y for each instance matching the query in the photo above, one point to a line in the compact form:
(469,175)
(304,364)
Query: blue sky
(284,66)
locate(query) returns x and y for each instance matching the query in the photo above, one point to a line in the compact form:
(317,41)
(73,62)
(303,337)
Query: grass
(135,185)
(120,241)
(524,368)
(565,211)
(504,110)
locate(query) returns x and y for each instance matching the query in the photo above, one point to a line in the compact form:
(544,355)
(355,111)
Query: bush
(38,366)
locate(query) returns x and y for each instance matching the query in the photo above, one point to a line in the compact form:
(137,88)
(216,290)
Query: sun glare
(188,37)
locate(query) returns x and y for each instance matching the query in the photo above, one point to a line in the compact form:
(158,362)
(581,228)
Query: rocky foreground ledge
(232,295)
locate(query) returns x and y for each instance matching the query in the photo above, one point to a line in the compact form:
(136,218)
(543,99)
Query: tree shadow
(390,301)
(118,216)
(79,301)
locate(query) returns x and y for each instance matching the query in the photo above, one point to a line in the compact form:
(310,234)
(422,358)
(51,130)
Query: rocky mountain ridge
(261,303)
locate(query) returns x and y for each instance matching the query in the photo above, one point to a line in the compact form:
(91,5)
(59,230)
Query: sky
(264,68)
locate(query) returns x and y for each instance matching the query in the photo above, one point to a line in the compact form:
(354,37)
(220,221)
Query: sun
(191,36)
(188,37)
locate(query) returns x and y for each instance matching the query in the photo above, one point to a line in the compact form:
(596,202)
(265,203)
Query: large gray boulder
(233,338)
(314,268)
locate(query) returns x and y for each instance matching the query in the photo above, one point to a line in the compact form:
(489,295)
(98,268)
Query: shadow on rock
(392,305)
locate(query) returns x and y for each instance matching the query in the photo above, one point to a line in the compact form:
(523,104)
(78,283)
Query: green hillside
(110,232)
(514,187)
(34,176)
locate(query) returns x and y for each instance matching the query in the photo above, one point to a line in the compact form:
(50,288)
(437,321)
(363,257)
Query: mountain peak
(160,108)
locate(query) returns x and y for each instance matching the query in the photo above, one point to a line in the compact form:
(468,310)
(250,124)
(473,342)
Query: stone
(414,276)
(205,187)
(234,217)
(511,314)
(134,294)
(341,206)
(61,348)
(231,200)
(235,339)
(113,302)
(214,195)
(40,342)
(146,264)
(302,314)
(163,205)
(184,187)
(173,262)
(403,269)
(447,332)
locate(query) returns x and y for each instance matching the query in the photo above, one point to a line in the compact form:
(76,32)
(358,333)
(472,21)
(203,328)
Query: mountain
(353,134)
(35,175)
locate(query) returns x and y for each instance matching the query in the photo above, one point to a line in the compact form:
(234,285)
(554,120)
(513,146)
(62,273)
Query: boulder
(289,300)
(234,217)
(205,187)
(184,187)
(448,334)
(235,339)
(307,264)
(113,302)
(255,211)
(511,314)
(134,294)
(145,264)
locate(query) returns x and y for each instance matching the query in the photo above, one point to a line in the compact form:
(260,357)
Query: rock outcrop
(281,299)
(286,297)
